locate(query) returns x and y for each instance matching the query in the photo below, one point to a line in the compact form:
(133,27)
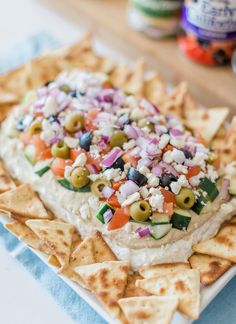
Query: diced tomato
(119,219)
(193,171)
(38,114)
(168,148)
(89,122)
(113,201)
(107,85)
(25,137)
(58,166)
(45,154)
(116,185)
(73,154)
(130,159)
(168,208)
(127,210)
(169,197)
(93,161)
(38,143)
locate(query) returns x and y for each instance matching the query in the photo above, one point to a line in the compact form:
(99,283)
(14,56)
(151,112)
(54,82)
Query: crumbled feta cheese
(144,192)
(121,176)
(67,172)
(167,157)
(85,212)
(153,181)
(155,191)
(136,114)
(131,199)
(143,169)
(95,177)
(178,156)
(128,227)
(164,140)
(80,160)
(71,142)
(129,145)
(156,202)
(94,151)
(111,173)
(212,174)
(200,159)
(181,168)
(93,202)
(182,181)
(194,181)
(50,107)
(177,141)
(175,187)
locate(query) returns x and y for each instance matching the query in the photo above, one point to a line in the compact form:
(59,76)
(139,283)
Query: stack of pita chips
(6,182)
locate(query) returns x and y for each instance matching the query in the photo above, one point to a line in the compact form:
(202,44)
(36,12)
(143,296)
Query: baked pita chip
(208,122)
(120,75)
(211,268)
(233,220)
(23,201)
(149,310)
(107,281)
(155,90)
(56,234)
(69,272)
(102,251)
(162,269)
(184,284)
(131,289)
(227,150)
(53,260)
(223,245)
(25,234)
(6,182)
(83,254)
(135,82)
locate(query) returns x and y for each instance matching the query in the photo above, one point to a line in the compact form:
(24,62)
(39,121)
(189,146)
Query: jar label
(210,19)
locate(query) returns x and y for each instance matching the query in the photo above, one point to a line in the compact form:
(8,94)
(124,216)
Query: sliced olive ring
(35,127)
(74,122)
(61,150)
(118,138)
(140,211)
(98,185)
(79,177)
(185,199)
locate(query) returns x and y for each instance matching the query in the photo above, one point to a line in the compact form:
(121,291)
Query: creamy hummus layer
(80,209)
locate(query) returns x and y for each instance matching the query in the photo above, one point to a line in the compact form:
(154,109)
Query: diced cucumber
(159,231)
(207,208)
(30,153)
(159,218)
(232,187)
(208,186)
(180,219)
(66,184)
(41,167)
(200,203)
(102,210)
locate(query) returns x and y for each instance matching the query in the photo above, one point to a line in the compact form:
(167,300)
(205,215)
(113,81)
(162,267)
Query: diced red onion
(105,138)
(224,190)
(189,163)
(106,95)
(148,106)
(144,232)
(107,216)
(131,131)
(40,103)
(112,157)
(142,142)
(135,151)
(54,140)
(41,92)
(103,117)
(168,168)
(107,192)
(160,129)
(176,132)
(123,119)
(55,93)
(138,229)
(78,134)
(157,171)
(92,168)
(153,150)
(128,188)
(118,98)
(145,161)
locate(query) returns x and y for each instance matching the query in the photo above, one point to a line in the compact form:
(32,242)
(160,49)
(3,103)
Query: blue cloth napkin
(221,311)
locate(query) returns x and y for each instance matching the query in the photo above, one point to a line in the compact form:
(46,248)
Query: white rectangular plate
(207,293)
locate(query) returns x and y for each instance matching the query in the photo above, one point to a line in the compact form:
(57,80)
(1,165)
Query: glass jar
(156,18)
(208,30)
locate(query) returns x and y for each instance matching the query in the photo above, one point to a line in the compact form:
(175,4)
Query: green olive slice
(35,127)
(98,185)
(140,211)
(79,177)
(118,138)
(74,122)
(185,199)
(61,150)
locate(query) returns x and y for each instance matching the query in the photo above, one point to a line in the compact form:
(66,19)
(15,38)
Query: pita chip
(23,201)
(162,269)
(154,90)
(233,220)
(6,182)
(25,234)
(56,234)
(211,268)
(135,82)
(149,310)
(102,251)
(107,281)
(69,272)
(184,284)
(83,254)
(227,150)
(53,260)
(131,289)
(223,245)
(120,75)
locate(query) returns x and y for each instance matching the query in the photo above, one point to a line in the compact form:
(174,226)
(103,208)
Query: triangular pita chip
(227,150)
(162,269)
(149,310)
(211,268)
(184,284)
(107,281)
(84,253)
(102,251)
(135,82)
(155,90)
(23,201)
(6,182)
(57,235)
(208,122)
(131,289)
(69,272)
(25,234)
(53,260)
(223,245)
